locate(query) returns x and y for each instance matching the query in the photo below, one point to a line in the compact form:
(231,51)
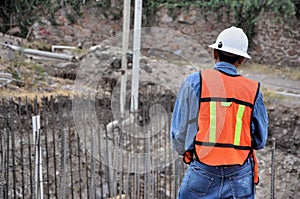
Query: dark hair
(228,57)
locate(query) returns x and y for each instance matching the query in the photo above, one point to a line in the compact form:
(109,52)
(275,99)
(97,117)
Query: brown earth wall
(276,42)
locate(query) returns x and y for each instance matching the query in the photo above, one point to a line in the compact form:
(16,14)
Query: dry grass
(30,96)
(271,94)
(290,73)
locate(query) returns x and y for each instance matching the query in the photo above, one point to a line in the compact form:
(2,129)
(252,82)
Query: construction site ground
(39,76)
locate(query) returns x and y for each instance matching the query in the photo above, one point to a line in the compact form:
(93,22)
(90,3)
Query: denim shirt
(185,114)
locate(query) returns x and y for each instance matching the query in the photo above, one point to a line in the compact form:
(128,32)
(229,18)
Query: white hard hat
(232,40)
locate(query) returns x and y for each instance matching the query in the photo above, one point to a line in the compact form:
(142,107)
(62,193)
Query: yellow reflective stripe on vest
(226,103)
(213,122)
(238,124)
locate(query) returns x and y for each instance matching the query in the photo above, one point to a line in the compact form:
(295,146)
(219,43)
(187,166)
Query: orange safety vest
(224,119)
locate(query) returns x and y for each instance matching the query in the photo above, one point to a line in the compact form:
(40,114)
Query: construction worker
(219,119)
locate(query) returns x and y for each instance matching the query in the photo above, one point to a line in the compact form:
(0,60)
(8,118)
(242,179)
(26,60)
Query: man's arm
(259,124)
(179,120)
(185,114)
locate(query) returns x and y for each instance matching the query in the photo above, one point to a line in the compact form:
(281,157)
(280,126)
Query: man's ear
(216,55)
(241,60)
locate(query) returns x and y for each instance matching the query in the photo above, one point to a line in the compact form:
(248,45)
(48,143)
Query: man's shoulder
(193,81)
(193,77)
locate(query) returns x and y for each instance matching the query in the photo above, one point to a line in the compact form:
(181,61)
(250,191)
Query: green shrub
(245,12)
(24,12)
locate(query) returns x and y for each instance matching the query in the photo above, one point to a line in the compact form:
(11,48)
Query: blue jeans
(202,181)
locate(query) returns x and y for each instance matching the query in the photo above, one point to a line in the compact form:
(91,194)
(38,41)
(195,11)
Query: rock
(18,83)
(166,18)
(15,31)
(84,33)
(292,52)
(67,30)
(67,65)
(187,17)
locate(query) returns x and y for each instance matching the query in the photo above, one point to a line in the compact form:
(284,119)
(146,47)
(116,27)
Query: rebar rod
(2,155)
(13,147)
(62,193)
(2,160)
(127,178)
(79,166)
(121,144)
(53,143)
(45,125)
(63,149)
(273,169)
(7,162)
(21,148)
(7,167)
(114,163)
(100,164)
(85,140)
(99,150)
(69,117)
(92,180)
(29,148)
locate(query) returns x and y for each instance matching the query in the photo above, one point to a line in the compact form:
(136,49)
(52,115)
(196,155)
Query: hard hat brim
(230,50)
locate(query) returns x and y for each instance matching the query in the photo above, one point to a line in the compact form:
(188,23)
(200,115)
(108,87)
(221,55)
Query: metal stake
(273,169)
